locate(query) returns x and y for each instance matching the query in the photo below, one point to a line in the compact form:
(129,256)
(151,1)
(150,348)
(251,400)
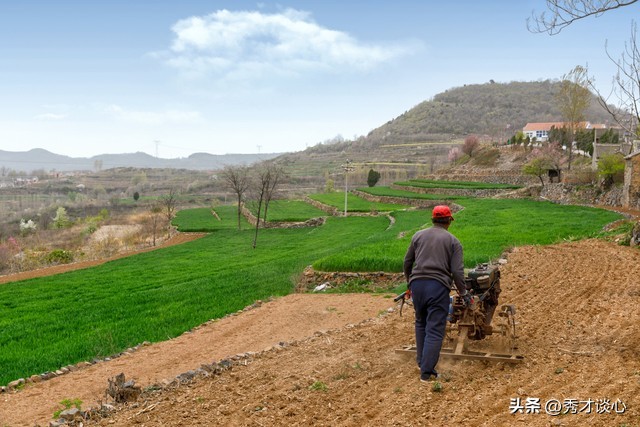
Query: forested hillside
(492,109)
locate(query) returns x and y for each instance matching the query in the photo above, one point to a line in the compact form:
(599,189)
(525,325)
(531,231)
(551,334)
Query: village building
(540,131)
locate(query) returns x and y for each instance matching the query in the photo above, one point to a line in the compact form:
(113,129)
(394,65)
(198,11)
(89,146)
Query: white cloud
(50,116)
(244,45)
(154,117)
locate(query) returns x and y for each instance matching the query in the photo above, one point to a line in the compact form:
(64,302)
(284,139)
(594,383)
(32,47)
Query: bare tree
(169,203)
(625,92)
(573,100)
(237,178)
(623,101)
(154,219)
(267,182)
(276,175)
(262,183)
(565,12)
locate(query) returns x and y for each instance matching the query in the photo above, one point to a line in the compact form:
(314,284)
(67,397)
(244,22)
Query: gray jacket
(434,253)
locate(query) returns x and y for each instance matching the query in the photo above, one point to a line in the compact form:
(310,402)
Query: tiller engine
(474,322)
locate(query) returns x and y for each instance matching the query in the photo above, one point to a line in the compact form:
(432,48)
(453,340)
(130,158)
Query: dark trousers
(431,303)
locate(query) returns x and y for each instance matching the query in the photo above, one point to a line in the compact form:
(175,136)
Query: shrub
(454,154)
(59,256)
(373,178)
(471,143)
(536,167)
(610,168)
(61,220)
(488,157)
(329,186)
(27,227)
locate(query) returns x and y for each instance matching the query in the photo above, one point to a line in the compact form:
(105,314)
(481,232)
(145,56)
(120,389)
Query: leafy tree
(136,196)
(373,178)
(584,140)
(518,139)
(609,137)
(609,167)
(61,220)
(538,166)
(559,136)
(573,100)
(329,186)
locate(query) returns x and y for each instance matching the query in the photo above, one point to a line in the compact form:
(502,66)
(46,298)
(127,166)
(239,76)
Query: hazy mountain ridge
(39,158)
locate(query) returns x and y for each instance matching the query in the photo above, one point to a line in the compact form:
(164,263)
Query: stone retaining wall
(580,195)
(492,177)
(424,204)
(313,222)
(379,280)
(331,210)
(450,191)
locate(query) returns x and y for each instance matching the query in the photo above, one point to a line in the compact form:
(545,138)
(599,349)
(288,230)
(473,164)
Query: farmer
(433,261)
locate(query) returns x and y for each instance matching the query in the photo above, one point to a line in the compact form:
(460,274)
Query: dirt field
(579,328)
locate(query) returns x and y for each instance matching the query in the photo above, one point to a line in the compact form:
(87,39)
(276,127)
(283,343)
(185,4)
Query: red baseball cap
(441,211)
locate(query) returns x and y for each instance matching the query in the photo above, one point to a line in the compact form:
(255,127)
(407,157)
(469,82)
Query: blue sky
(83,78)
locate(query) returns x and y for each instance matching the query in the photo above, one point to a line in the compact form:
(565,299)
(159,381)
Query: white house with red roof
(540,131)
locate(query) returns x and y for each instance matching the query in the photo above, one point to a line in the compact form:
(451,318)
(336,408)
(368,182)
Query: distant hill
(38,158)
(492,109)
(418,141)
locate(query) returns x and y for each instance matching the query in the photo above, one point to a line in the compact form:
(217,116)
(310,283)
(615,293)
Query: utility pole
(157,142)
(347,167)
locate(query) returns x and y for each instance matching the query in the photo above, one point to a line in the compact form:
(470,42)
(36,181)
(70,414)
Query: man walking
(432,262)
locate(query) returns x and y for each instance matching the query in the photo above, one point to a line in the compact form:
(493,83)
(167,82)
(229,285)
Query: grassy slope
(485,228)
(52,321)
(49,322)
(386,191)
(289,210)
(354,203)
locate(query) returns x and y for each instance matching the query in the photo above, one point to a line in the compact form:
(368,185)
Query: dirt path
(579,328)
(289,318)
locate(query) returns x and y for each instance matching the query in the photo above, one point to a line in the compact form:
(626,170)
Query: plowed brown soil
(579,328)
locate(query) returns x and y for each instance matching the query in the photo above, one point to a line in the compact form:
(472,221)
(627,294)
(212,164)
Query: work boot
(428,378)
